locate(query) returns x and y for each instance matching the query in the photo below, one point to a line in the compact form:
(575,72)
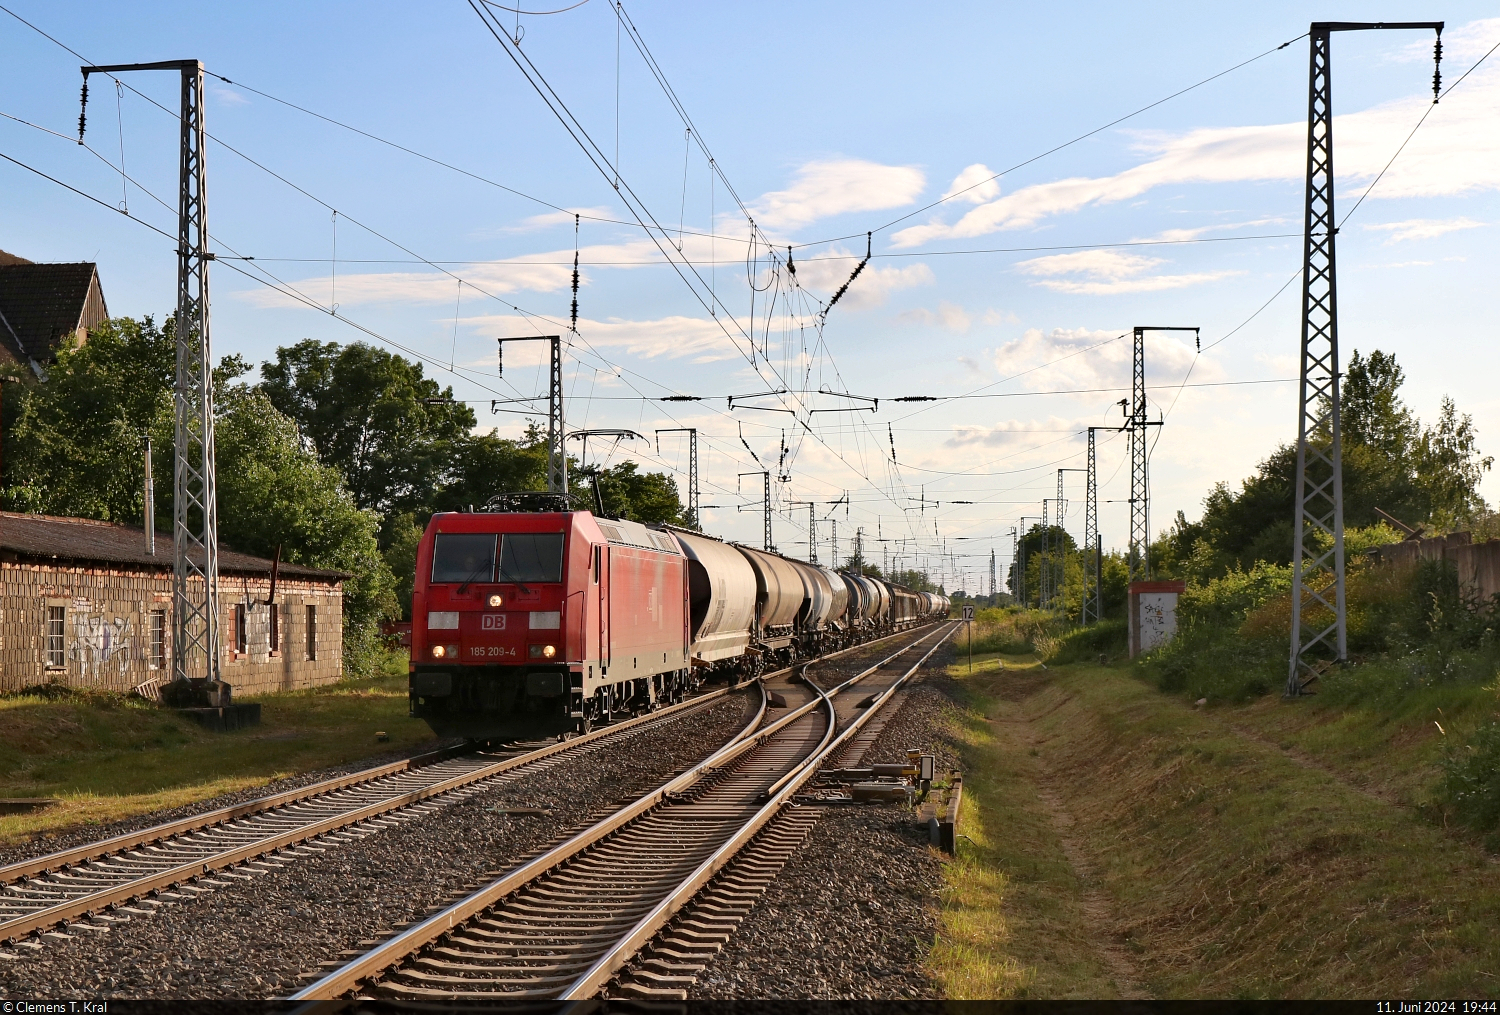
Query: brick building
(45,308)
(83,603)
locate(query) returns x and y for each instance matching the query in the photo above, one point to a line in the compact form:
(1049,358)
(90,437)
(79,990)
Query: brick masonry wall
(107,629)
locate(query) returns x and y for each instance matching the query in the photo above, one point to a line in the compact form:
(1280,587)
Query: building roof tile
(42,304)
(47,538)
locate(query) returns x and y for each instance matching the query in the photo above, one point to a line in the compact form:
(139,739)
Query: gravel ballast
(252,938)
(853,914)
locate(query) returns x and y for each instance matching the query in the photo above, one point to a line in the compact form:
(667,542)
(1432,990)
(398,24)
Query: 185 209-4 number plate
(492,651)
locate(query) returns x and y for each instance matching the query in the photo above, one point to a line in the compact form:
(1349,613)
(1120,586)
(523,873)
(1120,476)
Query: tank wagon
(540,623)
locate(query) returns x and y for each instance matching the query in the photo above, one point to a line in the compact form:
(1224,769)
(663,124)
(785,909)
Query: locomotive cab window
(463,557)
(531,557)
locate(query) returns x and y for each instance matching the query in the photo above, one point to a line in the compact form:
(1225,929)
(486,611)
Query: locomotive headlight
(438,651)
(549,651)
(496,600)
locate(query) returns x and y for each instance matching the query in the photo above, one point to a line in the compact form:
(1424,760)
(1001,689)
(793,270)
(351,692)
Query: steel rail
(208,819)
(411,940)
(194,822)
(87,904)
(592,981)
(414,937)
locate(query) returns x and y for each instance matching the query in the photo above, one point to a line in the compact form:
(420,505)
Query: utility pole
(692,433)
(1091,542)
(1021,594)
(1062,540)
(196,644)
(150,499)
(1319,504)
(992,573)
(557,457)
(1140,487)
(765,474)
(1044,571)
(812,527)
(1015,552)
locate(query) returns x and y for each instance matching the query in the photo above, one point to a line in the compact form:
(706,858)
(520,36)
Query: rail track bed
(250,936)
(112,880)
(847,912)
(564,924)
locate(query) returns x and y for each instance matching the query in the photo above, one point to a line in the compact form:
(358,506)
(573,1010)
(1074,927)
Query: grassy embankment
(1124,841)
(107,757)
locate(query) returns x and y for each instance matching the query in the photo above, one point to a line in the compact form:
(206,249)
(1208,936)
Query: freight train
(536,623)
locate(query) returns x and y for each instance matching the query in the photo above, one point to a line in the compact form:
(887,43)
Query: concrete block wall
(107,629)
(1478,564)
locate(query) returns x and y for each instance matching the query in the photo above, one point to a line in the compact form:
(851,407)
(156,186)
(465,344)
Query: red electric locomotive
(528,624)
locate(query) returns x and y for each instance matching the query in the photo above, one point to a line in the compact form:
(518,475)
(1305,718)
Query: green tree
(393,433)
(274,492)
(1450,467)
(648,497)
(1421,476)
(74,447)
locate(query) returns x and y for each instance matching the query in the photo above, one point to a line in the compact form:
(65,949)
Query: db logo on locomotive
(492,622)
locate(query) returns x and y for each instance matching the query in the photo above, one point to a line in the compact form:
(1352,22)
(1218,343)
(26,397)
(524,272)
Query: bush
(1471,781)
(1087,644)
(1014,631)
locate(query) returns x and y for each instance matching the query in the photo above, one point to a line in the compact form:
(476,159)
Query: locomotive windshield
(463,557)
(531,557)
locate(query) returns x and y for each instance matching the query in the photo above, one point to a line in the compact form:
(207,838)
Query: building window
(157,658)
(312,632)
(275,634)
(241,636)
(56,649)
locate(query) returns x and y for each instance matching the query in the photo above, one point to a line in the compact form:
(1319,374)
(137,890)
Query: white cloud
(948,315)
(695,339)
(993,317)
(872,287)
(1107,272)
(834,187)
(1011,432)
(557,218)
(228,96)
(1066,358)
(1456,152)
(974,185)
(1461,46)
(1422,229)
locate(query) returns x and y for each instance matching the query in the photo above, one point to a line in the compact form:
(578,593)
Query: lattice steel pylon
(1062,544)
(1138,424)
(992,573)
(1022,596)
(557,455)
(692,492)
(196,644)
(1044,569)
(1091,548)
(1318,518)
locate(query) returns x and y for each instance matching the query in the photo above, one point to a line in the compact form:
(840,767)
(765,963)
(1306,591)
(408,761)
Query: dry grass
(1239,871)
(106,758)
(1013,916)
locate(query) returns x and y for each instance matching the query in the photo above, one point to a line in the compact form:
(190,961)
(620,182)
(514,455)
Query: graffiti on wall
(100,644)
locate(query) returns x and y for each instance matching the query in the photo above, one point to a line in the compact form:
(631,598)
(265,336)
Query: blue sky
(827,120)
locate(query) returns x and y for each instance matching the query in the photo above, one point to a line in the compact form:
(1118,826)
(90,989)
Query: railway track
(564,924)
(109,882)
